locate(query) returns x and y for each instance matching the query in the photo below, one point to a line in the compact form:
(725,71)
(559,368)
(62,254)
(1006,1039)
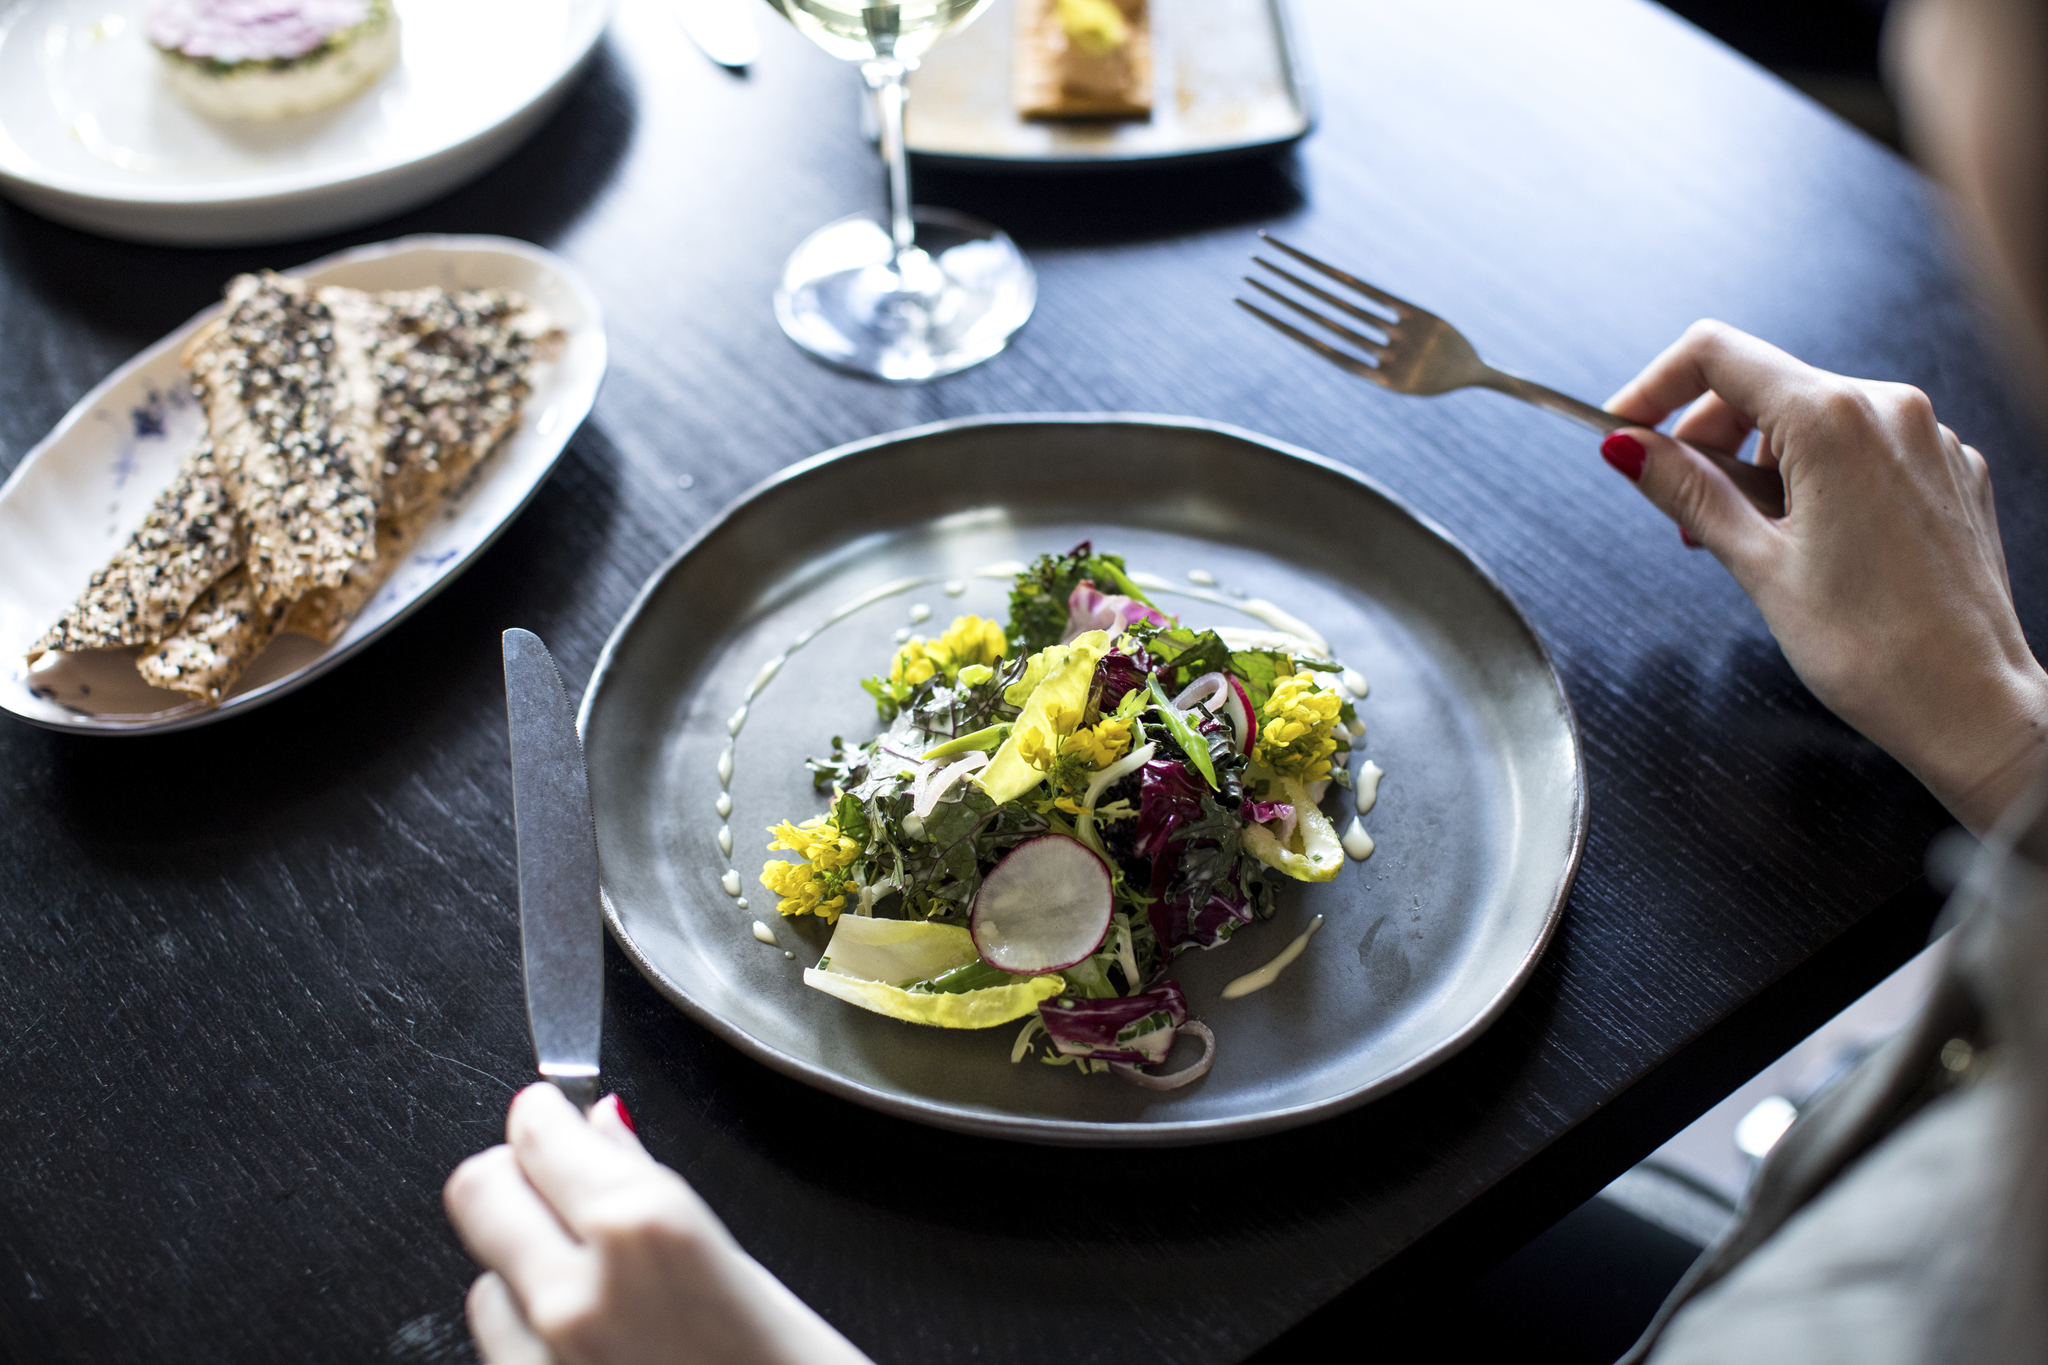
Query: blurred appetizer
(271,59)
(337,422)
(1084,59)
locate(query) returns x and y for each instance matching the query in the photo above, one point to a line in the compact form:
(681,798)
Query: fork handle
(1765,488)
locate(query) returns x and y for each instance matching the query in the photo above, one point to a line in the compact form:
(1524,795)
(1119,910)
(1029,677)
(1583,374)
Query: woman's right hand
(595,1253)
(1885,582)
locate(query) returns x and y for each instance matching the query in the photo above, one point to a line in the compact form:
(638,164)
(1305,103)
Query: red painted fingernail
(625,1117)
(1686,536)
(1625,453)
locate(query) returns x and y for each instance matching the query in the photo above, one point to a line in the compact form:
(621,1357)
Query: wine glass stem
(885,77)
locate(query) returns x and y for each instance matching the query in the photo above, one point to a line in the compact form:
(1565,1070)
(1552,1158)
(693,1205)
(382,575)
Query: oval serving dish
(76,497)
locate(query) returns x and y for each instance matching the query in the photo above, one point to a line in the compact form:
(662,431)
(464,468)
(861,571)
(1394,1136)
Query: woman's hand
(597,1254)
(1885,582)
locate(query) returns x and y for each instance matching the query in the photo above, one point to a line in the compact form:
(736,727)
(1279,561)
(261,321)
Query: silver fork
(1424,355)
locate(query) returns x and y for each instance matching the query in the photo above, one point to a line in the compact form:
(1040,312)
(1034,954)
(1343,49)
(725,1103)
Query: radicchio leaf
(1133,1028)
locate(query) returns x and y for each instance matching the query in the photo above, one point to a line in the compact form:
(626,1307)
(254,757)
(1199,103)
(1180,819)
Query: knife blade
(561,927)
(722,29)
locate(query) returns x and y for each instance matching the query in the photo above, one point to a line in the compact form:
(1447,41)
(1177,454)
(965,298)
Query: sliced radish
(1243,716)
(1044,907)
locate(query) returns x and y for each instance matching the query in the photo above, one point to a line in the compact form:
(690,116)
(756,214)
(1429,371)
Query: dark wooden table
(249,1032)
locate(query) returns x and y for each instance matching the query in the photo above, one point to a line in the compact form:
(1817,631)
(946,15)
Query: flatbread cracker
(285,381)
(1056,77)
(189,539)
(451,371)
(220,636)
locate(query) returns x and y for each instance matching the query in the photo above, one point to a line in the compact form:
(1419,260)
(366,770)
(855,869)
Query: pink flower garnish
(230,31)
(1088,609)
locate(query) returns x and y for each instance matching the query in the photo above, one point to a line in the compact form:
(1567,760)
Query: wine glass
(918,293)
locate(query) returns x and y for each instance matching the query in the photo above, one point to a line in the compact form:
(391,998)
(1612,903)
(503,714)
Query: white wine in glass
(918,293)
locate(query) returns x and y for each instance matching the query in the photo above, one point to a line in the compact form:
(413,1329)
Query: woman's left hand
(597,1254)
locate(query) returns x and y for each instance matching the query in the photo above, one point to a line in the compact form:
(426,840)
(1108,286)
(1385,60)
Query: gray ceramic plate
(1479,825)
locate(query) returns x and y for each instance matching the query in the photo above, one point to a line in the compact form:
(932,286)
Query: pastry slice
(190,538)
(1083,59)
(220,636)
(285,381)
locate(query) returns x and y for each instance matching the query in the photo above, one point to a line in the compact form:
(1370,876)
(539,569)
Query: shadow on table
(138,292)
(1101,207)
(1580,1294)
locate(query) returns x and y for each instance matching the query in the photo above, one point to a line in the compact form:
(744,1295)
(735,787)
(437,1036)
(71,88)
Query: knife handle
(581,1090)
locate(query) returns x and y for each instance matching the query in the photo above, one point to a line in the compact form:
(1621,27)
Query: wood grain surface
(261,984)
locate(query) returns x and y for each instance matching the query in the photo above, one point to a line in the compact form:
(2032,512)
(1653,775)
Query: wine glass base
(956,299)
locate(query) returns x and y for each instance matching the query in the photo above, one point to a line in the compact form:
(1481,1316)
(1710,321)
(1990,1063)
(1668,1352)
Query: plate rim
(27,174)
(333,656)
(1090,1132)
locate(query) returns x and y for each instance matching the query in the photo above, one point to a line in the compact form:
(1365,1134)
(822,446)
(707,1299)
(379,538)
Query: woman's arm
(1885,583)
(597,1254)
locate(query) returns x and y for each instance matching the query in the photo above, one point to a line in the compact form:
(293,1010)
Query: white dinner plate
(90,135)
(77,497)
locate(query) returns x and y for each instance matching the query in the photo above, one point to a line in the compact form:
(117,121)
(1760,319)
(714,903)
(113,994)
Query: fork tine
(1365,315)
(1400,306)
(1365,343)
(1326,351)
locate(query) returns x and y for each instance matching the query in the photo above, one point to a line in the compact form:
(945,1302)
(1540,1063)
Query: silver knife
(561,928)
(722,29)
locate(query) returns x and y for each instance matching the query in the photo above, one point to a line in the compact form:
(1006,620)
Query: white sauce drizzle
(742,902)
(790,956)
(919,613)
(725,840)
(902,634)
(1368,785)
(1268,974)
(731,882)
(724,805)
(739,718)
(954,587)
(1002,568)
(870,597)
(1356,726)
(1203,577)
(1357,842)
(763,932)
(725,767)
(765,676)
(1355,683)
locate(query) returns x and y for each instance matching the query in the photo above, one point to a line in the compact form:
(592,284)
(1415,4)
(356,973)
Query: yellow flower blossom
(970,642)
(818,884)
(1295,728)
(1102,744)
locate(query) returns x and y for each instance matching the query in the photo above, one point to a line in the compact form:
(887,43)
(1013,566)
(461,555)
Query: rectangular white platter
(1228,80)
(77,497)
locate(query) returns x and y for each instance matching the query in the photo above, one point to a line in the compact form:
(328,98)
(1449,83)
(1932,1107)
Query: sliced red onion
(1199,1068)
(1214,690)
(932,784)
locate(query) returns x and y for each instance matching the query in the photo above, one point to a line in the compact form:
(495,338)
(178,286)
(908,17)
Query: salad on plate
(1061,806)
